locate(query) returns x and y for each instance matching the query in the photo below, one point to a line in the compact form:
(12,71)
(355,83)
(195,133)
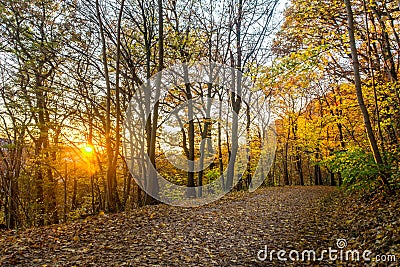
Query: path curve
(229,232)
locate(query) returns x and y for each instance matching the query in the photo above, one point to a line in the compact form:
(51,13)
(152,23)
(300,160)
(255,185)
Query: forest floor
(229,232)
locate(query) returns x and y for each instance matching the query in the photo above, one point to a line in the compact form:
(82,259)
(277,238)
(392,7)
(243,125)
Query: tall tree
(360,97)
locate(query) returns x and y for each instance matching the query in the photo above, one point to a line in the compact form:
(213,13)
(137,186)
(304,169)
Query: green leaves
(356,167)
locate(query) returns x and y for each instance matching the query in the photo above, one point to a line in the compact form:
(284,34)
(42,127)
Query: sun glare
(88,149)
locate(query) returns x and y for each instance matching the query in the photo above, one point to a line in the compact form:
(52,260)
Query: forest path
(228,232)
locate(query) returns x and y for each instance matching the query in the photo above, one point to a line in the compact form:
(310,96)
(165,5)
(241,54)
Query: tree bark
(153,186)
(110,201)
(359,93)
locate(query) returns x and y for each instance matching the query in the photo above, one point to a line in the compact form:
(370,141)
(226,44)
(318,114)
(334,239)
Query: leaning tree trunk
(360,98)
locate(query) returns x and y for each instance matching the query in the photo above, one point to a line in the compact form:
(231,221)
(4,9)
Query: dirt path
(229,232)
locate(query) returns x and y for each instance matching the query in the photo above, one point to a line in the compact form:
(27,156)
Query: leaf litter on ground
(229,232)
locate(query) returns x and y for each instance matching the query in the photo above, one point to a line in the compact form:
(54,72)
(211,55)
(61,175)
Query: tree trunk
(205,134)
(285,161)
(110,201)
(190,191)
(220,160)
(360,98)
(152,186)
(236,100)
